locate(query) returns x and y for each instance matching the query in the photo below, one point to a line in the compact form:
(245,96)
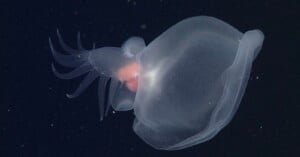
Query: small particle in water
(51,125)
(143,26)
(260,126)
(22,145)
(8,110)
(134,3)
(257,77)
(113,112)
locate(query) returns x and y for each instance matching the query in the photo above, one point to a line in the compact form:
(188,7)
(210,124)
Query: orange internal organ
(129,75)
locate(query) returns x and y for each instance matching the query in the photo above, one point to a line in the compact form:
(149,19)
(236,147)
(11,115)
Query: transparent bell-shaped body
(192,80)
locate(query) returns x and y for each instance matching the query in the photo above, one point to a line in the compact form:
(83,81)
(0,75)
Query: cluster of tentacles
(78,59)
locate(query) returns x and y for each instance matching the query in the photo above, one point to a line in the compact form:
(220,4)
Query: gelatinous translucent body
(184,87)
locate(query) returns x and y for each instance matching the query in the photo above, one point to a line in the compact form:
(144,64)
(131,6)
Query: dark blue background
(36,119)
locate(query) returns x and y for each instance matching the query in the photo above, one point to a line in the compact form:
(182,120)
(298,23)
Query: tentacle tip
(101,119)
(58,33)
(54,69)
(70,96)
(53,51)
(50,42)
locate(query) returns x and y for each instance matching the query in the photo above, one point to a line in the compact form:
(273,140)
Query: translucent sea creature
(184,86)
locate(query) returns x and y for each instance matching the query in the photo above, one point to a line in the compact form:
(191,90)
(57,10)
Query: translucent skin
(184,87)
(129,75)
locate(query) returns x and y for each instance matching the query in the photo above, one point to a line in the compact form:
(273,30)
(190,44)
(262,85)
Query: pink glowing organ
(191,81)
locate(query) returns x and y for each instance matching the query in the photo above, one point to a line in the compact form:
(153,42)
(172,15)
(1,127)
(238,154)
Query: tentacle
(101,95)
(84,68)
(65,46)
(108,104)
(88,80)
(114,85)
(107,109)
(79,44)
(67,60)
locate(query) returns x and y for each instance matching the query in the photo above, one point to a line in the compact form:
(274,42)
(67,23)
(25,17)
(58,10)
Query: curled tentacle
(78,59)
(82,69)
(67,60)
(88,80)
(65,46)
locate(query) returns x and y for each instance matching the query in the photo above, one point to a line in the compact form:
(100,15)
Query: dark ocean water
(37,120)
